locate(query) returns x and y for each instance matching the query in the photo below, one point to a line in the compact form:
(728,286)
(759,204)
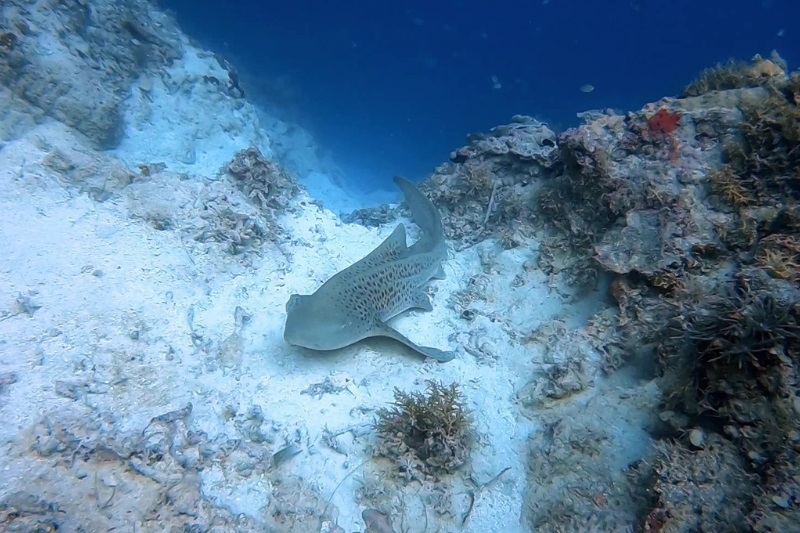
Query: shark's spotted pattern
(356,302)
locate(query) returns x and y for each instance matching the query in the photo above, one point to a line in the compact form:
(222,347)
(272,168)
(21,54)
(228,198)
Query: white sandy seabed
(105,317)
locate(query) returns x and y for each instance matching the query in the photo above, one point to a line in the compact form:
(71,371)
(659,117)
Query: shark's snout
(308,326)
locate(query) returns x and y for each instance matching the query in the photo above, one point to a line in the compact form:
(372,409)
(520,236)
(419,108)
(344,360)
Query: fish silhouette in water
(357,302)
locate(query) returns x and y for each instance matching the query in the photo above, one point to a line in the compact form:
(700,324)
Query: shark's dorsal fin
(392,248)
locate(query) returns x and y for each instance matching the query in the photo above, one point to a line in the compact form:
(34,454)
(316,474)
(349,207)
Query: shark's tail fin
(423,213)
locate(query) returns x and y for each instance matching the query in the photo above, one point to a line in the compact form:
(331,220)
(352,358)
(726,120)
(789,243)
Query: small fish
(284,454)
(587,88)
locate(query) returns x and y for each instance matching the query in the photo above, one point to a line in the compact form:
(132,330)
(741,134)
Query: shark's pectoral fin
(439,273)
(382,330)
(420,300)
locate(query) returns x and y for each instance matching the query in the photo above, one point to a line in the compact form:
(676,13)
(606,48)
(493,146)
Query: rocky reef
(690,207)
(163,411)
(52,53)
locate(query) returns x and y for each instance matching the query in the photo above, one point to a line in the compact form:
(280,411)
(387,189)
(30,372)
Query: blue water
(391,87)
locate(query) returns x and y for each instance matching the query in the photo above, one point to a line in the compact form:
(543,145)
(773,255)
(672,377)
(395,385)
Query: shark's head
(312,324)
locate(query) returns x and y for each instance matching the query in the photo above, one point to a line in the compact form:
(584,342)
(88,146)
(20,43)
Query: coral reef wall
(690,207)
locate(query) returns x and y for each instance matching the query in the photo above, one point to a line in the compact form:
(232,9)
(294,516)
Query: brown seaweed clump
(770,150)
(426,433)
(729,355)
(735,74)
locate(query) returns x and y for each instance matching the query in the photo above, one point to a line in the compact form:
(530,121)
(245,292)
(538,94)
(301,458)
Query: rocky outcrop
(75,61)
